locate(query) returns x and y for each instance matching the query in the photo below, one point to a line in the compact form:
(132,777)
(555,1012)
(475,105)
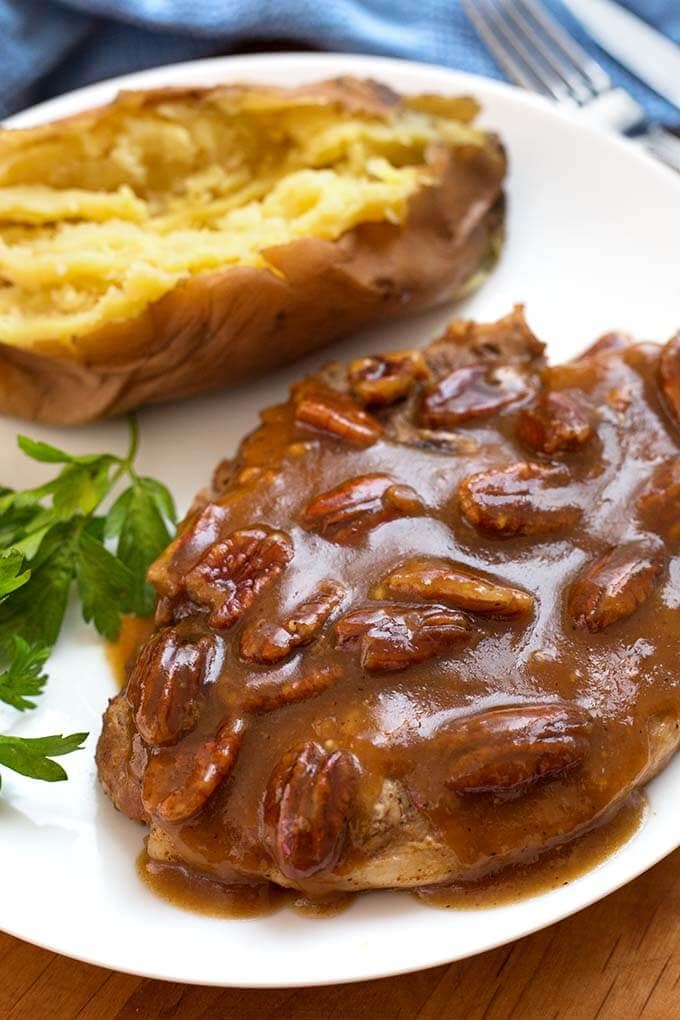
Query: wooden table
(618,959)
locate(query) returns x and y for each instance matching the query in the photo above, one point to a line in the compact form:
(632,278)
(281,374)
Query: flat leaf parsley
(57,536)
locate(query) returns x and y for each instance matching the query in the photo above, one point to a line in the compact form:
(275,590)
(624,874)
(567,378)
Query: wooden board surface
(618,959)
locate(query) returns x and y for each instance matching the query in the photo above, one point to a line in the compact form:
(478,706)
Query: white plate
(593,233)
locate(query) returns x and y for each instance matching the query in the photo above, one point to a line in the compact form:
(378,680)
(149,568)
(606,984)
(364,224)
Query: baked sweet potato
(179,240)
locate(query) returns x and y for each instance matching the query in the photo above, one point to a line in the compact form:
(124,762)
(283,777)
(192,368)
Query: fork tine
(530,50)
(543,42)
(538,54)
(596,75)
(513,67)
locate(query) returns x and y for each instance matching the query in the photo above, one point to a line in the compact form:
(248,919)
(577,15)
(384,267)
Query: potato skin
(221,328)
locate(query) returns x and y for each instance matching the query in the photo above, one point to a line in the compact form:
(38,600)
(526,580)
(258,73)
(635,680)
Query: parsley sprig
(54,537)
(24,677)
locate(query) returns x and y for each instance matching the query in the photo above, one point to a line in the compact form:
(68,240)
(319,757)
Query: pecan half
(164,689)
(178,782)
(234,572)
(556,421)
(614,585)
(270,695)
(669,375)
(307,808)
(400,429)
(449,583)
(197,535)
(523,499)
(506,750)
(384,379)
(475,391)
(470,393)
(659,502)
(358,504)
(267,641)
(396,637)
(334,412)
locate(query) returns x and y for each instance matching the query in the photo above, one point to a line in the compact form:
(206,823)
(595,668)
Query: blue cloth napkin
(51,46)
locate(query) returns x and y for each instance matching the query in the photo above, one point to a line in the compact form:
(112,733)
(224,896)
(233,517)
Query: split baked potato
(182,239)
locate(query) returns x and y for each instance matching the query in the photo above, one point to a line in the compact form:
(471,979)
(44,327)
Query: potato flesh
(98,222)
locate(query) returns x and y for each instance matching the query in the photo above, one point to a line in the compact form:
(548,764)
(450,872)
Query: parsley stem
(124,464)
(134,439)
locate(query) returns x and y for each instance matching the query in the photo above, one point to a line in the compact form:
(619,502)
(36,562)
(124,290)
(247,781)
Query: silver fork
(536,52)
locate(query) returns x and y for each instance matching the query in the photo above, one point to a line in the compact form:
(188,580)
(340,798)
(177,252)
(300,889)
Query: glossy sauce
(547,871)
(400,727)
(202,895)
(122,653)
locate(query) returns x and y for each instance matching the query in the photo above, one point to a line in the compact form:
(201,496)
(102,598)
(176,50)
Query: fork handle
(615,109)
(662,143)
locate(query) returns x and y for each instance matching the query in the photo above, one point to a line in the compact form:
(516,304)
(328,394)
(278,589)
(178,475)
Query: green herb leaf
(48,454)
(36,610)
(161,497)
(49,536)
(96,526)
(44,452)
(11,575)
(78,488)
(31,755)
(24,676)
(137,519)
(28,545)
(115,518)
(15,518)
(105,586)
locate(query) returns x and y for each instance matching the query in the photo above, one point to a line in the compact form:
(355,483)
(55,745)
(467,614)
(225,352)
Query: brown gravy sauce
(121,653)
(546,871)
(202,895)
(549,870)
